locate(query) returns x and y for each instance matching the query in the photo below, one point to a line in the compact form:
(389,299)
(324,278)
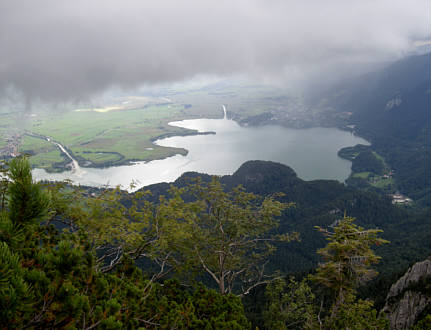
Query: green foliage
(85,276)
(290,306)
(27,202)
(423,324)
(50,279)
(348,257)
(357,316)
(200,227)
(4,182)
(351,153)
(201,309)
(15,294)
(366,161)
(102,138)
(10,233)
(230,238)
(401,133)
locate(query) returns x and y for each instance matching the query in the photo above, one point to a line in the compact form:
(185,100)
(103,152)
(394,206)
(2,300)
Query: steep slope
(392,108)
(410,297)
(322,202)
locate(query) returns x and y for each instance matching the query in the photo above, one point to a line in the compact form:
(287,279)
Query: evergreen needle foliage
(348,258)
(81,272)
(51,279)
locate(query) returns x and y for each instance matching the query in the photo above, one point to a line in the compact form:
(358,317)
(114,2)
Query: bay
(312,153)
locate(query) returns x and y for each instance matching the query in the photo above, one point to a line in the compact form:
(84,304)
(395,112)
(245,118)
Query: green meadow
(113,134)
(103,138)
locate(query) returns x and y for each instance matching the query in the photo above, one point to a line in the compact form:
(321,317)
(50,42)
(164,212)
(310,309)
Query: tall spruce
(348,258)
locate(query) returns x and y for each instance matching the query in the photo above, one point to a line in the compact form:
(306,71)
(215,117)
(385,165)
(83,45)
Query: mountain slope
(392,108)
(322,202)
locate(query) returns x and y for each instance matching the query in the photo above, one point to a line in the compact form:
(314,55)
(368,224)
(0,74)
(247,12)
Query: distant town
(11,148)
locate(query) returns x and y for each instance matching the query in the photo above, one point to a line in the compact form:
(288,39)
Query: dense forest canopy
(390,107)
(74,257)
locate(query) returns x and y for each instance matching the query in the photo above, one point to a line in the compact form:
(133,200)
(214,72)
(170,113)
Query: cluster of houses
(397,198)
(389,175)
(374,178)
(400,199)
(12,144)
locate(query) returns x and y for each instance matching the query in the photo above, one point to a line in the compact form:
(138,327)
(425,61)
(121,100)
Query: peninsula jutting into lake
(223,152)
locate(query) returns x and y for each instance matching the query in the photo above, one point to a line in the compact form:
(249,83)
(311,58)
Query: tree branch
(206,268)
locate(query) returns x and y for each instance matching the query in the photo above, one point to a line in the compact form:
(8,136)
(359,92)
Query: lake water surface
(312,153)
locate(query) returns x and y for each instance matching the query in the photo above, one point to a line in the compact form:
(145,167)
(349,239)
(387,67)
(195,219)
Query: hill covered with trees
(194,254)
(51,278)
(391,108)
(321,203)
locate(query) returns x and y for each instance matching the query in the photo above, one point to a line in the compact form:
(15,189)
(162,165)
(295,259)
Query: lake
(312,153)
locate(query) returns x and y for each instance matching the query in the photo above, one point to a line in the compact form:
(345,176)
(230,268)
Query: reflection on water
(312,153)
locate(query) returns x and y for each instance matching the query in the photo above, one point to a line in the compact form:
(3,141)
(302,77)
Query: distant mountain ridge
(392,108)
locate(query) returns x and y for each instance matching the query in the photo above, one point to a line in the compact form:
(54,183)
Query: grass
(362,175)
(113,136)
(44,153)
(100,158)
(384,183)
(37,145)
(108,138)
(379,157)
(46,159)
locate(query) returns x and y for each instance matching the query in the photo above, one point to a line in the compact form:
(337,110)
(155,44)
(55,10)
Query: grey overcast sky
(61,50)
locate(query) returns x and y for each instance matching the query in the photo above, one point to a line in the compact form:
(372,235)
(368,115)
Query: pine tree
(15,293)
(27,201)
(348,259)
(50,279)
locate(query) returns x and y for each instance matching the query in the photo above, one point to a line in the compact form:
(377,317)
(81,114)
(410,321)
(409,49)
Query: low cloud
(64,50)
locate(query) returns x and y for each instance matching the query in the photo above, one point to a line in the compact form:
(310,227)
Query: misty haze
(223,151)
(215,164)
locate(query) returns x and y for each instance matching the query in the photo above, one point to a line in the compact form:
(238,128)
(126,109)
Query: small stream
(75,168)
(312,153)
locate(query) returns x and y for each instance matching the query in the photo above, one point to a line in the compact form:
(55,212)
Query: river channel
(312,153)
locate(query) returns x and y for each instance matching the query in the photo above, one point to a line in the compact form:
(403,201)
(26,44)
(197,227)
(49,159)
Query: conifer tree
(348,258)
(50,279)
(27,201)
(15,293)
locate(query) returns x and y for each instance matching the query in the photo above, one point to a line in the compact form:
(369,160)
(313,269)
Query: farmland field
(104,138)
(123,129)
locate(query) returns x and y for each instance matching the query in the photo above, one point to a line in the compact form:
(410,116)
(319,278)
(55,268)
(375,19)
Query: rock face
(408,297)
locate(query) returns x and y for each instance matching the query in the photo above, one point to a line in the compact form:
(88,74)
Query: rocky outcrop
(409,296)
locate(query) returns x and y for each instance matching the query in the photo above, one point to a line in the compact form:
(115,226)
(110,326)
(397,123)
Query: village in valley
(12,141)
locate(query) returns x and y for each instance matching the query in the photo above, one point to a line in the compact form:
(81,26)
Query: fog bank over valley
(69,51)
